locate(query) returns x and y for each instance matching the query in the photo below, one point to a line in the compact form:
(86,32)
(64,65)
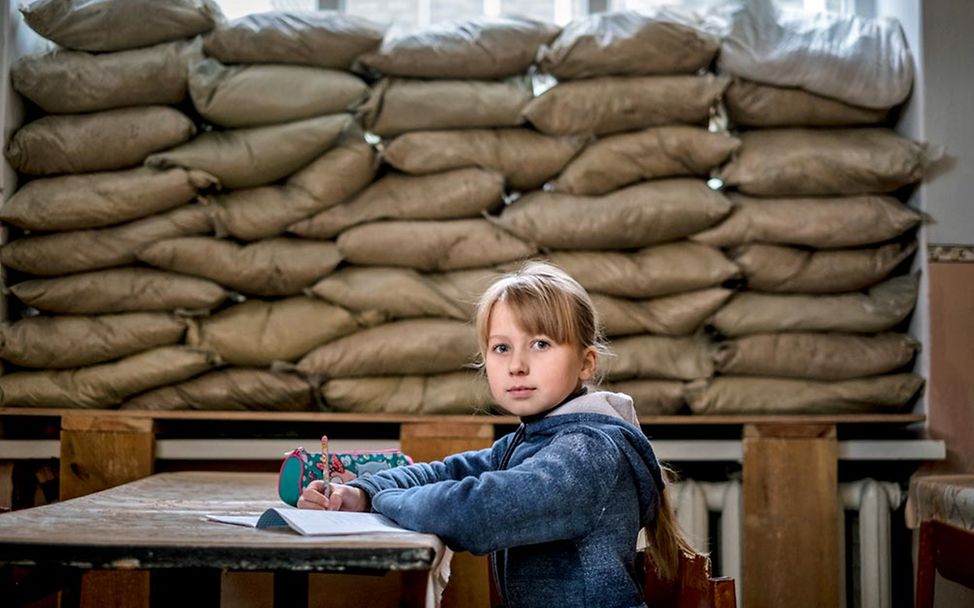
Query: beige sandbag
(83,250)
(680,358)
(68,82)
(619,160)
(449,195)
(256,156)
(271,267)
(431,245)
(119,290)
(66,341)
(105,385)
(648,273)
(448,294)
(797,162)
(102,141)
(677,315)
(398,105)
(257,213)
(611,104)
(879,309)
(526,158)
(259,333)
(328,39)
(848,221)
(253,95)
(786,270)
(628,43)
(94,200)
(644,214)
(114,25)
(450,393)
(751,104)
(411,346)
(651,397)
(485,48)
(234,389)
(742,395)
(815,356)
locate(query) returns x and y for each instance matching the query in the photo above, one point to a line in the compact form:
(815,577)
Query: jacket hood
(613,414)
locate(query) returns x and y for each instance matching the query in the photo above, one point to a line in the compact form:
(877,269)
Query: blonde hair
(547,301)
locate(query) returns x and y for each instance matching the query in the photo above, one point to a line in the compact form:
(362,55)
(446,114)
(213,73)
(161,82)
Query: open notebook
(309,522)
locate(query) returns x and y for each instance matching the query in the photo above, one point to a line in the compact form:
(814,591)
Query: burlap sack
(731,395)
(115,25)
(105,385)
(485,48)
(95,200)
(83,250)
(628,43)
(72,341)
(450,393)
(398,105)
(253,95)
(431,245)
(450,294)
(682,358)
(815,356)
(271,267)
(259,333)
(327,39)
(234,389)
(651,397)
(102,141)
(750,104)
(798,162)
(526,158)
(824,223)
(786,270)
(879,309)
(119,290)
(612,104)
(69,82)
(619,160)
(411,346)
(452,194)
(677,315)
(256,156)
(257,213)
(648,273)
(645,214)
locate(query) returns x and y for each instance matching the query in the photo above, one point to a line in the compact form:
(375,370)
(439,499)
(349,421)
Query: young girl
(559,503)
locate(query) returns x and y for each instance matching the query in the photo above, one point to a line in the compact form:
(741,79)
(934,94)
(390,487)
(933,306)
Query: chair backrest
(693,586)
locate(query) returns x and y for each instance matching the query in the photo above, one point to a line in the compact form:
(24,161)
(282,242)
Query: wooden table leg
(99,452)
(926,572)
(469,585)
(791,519)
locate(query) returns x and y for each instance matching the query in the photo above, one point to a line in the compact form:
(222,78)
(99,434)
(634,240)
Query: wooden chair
(693,586)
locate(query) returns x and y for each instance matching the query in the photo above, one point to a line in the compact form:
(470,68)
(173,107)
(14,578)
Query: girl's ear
(590,361)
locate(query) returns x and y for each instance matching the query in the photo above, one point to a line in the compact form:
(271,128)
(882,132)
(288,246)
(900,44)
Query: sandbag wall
(270,257)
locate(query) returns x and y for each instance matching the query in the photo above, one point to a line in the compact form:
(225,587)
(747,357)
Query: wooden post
(791,519)
(99,452)
(469,585)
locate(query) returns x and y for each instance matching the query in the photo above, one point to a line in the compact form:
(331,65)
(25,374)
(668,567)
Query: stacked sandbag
(821,239)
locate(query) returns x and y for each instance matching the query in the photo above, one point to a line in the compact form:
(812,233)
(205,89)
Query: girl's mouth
(520,391)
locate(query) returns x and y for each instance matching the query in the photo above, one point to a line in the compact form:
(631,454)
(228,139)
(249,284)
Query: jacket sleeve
(558,493)
(456,466)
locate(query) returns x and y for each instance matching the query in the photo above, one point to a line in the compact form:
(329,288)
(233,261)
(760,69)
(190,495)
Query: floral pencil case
(301,467)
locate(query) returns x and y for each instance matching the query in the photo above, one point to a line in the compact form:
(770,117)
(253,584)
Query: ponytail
(664,537)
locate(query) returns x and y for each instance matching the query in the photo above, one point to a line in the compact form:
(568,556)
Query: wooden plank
(101,422)
(469,585)
(110,589)
(791,519)
(6,485)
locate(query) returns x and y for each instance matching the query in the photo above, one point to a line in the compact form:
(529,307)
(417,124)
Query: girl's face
(529,373)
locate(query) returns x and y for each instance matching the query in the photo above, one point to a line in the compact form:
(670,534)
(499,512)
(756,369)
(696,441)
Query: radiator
(696,501)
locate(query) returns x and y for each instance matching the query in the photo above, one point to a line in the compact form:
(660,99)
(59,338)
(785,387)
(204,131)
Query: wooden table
(158,523)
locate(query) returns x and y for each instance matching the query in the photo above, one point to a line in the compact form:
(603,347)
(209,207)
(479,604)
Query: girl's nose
(518,365)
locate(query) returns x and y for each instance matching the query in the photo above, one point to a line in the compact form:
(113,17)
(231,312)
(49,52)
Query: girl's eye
(541,344)
(500,349)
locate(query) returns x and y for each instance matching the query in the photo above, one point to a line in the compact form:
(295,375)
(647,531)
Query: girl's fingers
(313,497)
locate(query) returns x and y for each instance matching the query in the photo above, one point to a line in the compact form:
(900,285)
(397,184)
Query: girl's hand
(325,496)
